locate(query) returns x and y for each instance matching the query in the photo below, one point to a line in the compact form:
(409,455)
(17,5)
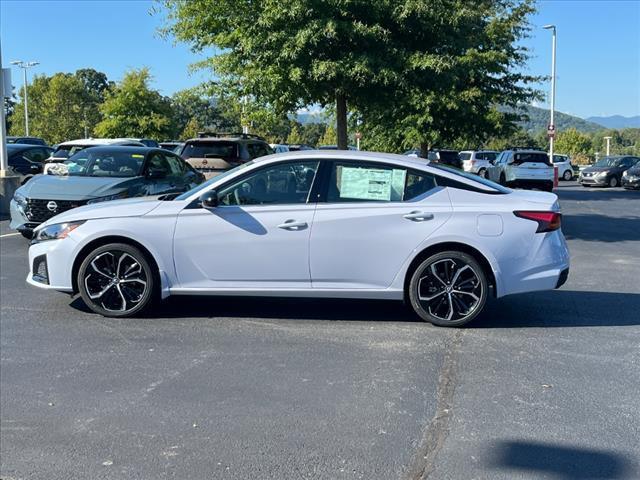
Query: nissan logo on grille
(52,206)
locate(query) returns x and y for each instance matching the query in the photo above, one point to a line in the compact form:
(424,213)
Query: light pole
(552,127)
(24,66)
(608,139)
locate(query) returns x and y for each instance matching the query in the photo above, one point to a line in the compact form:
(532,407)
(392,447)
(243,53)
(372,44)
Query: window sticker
(136,155)
(372,184)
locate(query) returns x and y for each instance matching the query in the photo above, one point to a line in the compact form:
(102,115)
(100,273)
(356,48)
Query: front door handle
(292,224)
(418,216)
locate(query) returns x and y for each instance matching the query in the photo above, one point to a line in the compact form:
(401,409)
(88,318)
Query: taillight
(547,221)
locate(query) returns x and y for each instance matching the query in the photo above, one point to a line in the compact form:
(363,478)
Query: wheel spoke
(457,274)
(94,296)
(106,274)
(433,272)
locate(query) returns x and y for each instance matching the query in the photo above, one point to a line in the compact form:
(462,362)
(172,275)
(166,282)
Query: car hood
(63,187)
(130,207)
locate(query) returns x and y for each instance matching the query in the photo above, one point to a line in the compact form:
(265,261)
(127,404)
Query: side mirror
(35,169)
(156,173)
(209,199)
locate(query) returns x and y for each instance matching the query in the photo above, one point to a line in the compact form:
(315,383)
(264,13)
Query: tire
(503,180)
(482,173)
(613,182)
(567,176)
(432,286)
(111,285)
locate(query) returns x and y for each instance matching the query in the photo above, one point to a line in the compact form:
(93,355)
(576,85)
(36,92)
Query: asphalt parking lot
(542,385)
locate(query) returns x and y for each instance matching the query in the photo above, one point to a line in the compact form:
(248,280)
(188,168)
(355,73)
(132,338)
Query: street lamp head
(549,27)
(17,62)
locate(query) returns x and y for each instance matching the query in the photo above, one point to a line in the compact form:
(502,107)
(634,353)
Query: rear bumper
(531,183)
(564,275)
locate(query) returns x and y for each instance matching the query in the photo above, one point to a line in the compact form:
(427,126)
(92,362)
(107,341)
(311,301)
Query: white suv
(523,168)
(565,169)
(477,161)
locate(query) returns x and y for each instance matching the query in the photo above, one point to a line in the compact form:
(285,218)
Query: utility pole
(25,66)
(608,139)
(552,126)
(4,166)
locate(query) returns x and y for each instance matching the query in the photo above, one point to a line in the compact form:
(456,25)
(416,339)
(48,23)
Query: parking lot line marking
(9,234)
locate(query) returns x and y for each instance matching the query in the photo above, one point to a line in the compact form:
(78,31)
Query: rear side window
(465,156)
(258,150)
(350,182)
(204,149)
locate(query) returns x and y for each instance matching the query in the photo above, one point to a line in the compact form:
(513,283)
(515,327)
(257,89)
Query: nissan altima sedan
(313,224)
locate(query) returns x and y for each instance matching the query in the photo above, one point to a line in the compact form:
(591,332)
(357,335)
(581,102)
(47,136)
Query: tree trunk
(341,120)
(424,149)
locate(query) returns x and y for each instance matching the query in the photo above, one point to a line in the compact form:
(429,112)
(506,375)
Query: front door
(374,216)
(258,236)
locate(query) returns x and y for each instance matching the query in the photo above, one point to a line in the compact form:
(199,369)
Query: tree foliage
(434,71)
(133,109)
(60,107)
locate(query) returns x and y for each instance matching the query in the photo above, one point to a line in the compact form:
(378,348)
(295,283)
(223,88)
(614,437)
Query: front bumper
(631,182)
(594,181)
(19,220)
(56,255)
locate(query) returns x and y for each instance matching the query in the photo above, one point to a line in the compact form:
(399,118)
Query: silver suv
(524,168)
(477,161)
(214,153)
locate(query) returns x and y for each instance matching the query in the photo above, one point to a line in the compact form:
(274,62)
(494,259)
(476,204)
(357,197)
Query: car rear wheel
(116,280)
(448,289)
(482,173)
(568,175)
(613,182)
(503,180)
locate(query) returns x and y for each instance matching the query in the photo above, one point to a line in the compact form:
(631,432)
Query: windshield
(607,162)
(206,184)
(102,163)
(469,176)
(218,149)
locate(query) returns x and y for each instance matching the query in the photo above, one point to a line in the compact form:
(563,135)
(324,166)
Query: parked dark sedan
(631,178)
(27,160)
(100,174)
(607,172)
(27,140)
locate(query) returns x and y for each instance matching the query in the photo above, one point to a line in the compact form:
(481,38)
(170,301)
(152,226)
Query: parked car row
(610,172)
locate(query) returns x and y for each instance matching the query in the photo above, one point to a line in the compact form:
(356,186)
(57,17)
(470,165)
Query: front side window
(284,183)
(175,165)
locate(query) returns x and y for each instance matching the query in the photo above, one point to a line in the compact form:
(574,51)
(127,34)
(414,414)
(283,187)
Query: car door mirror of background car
(209,199)
(35,168)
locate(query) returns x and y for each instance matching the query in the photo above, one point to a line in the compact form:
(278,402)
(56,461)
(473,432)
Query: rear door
(372,217)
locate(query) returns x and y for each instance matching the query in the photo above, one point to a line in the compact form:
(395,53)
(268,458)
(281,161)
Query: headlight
(117,196)
(625,173)
(57,231)
(601,174)
(20,199)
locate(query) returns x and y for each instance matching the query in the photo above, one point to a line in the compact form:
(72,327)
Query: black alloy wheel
(116,280)
(448,289)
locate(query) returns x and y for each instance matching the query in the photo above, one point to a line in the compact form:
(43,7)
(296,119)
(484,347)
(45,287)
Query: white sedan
(314,224)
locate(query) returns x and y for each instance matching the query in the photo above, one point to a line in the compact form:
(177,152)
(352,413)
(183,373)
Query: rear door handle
(293,225)
(418,216)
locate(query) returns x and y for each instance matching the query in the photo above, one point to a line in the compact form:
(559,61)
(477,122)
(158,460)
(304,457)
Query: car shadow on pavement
(556,308)
(589,227)
(561,308)
(560,461)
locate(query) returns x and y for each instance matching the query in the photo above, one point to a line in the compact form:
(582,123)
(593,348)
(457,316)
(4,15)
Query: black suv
(214,153)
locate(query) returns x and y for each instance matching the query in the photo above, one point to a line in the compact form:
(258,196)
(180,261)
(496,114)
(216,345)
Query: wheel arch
(447,246)
(100,241)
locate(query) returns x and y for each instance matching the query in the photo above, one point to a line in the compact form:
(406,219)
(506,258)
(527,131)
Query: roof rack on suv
(229,134)
(526,148)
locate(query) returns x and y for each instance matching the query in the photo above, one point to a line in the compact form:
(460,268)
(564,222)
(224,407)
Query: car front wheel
(613,182)
(448,289)
(116,280)
(482,173)
(568,175)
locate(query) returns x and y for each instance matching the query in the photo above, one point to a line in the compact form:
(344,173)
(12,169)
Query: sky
(598,55)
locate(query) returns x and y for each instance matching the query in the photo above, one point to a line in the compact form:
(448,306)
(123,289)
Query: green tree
(572,142)
(435,71)
(133,109)
(190,130)
(330,136)
(57,108)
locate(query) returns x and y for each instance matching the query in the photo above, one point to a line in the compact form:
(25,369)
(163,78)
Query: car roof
(126,149)
(230,138)
(97,141)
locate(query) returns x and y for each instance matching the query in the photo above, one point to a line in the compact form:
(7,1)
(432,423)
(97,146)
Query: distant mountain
(617,121)
(318,116)
(539,120)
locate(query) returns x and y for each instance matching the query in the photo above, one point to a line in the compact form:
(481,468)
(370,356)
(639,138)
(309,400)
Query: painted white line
(10,234)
